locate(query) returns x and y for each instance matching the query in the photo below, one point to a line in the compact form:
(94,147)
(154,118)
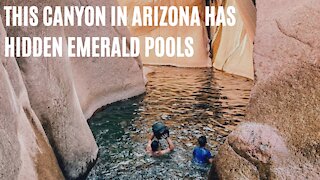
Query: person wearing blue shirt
(201,155)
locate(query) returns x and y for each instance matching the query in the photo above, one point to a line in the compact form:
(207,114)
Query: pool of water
(190,101)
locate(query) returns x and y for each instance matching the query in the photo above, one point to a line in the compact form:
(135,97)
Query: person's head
(202,141)
(155,145)
(159,129)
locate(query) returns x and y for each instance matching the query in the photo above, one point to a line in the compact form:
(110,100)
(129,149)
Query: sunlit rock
(101,81)
(198,33)
(233,45)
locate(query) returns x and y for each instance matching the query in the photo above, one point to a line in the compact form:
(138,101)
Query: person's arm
(210,158)
(171,145)
(148,148)
(169,149)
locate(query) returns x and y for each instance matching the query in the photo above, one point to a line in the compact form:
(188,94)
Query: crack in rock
(263,168)
(283,31)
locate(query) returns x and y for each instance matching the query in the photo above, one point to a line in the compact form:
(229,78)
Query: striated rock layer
(198,33)
(283,139)
(233,46)
(45,101)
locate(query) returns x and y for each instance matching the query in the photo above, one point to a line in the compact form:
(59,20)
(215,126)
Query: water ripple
(190,101)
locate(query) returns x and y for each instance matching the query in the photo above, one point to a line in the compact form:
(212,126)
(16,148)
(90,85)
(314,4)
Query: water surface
(190,101)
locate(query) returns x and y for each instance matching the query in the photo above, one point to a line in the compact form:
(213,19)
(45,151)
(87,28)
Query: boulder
(284,103)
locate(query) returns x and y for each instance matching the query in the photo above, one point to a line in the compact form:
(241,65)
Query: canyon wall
(25,149)
(101,81)
(45,101)
(281,137)
(198,33)
(233,45)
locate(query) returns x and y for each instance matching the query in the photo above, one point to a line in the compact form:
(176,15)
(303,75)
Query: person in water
(153,146)
(201,155)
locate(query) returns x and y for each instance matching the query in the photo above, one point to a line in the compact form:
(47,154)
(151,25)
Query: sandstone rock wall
(199,34)
(283,142)
(25,149)
(100,81)
(233,46)
(63,93)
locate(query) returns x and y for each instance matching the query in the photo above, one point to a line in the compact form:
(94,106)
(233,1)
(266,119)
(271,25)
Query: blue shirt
(201,155)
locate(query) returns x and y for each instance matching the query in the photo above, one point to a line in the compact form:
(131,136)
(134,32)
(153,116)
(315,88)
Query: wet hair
(155,145)
(202,141)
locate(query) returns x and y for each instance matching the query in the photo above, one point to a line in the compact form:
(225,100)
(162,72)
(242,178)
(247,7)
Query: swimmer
(201,155)
(159,131)
(153,146)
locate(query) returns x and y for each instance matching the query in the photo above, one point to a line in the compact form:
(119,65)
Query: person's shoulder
(195,149)
(207,151)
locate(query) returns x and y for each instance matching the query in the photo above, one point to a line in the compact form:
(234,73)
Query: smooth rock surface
(63,93)
(25,151)
(233,45)
(101,81)
(285,96)
(198,33)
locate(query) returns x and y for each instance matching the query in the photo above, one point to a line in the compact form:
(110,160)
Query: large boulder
(233,45)
(284,142)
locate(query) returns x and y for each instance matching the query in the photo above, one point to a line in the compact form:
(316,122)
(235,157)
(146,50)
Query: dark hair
(202,141)
(159,129)
(155,145)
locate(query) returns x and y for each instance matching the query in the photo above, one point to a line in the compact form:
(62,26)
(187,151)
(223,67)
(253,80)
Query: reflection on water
(191,102)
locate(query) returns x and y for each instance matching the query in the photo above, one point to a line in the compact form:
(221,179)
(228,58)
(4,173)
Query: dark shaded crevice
(208,3)
(254,2)
(208,27)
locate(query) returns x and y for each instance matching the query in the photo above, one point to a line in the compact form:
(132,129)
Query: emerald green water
(191,102)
